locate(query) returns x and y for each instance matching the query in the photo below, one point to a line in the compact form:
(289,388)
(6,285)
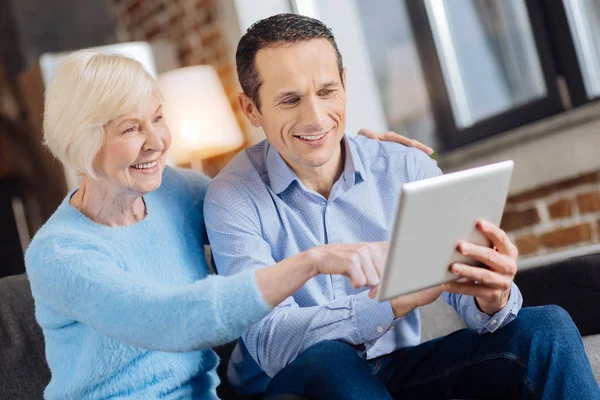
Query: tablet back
(433,216)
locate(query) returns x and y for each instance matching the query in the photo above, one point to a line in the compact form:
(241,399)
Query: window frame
(447,131)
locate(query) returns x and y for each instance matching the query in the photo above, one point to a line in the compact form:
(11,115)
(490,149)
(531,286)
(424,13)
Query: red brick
(560,209)
(212,36)
(176,17)
(133,6)
(567,236)
(154,31)
(512,220)
(202,4)
(527,244)
(544,191)
(588,202)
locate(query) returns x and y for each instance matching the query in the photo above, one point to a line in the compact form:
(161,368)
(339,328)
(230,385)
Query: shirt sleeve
(237,245)
(478,321)
(84,284)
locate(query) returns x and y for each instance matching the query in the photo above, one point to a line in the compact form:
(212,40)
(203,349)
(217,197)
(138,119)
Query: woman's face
(133,156)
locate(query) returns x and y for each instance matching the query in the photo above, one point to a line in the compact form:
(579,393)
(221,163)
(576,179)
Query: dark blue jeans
(539,355)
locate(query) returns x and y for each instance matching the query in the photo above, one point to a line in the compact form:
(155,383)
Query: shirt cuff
(373,318)
(483,323)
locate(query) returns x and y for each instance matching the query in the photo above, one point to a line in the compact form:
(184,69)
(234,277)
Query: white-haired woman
(121,286)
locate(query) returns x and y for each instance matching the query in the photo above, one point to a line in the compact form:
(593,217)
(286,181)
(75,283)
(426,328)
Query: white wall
(547,151)
(364,108)
(251,11)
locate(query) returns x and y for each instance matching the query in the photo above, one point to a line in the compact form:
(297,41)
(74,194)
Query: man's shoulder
(244,175)
(370,147)
(390,157)
(248,164)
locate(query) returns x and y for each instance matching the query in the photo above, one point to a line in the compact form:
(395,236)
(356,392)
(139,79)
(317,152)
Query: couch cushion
(572,284)
(439,319)
(23,371)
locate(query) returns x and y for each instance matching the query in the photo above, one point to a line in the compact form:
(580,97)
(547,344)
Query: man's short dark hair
(273,31)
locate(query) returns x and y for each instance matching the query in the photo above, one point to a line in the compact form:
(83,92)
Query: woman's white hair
(89,89)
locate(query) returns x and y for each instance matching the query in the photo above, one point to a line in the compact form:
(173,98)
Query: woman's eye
(130,130)
(157,119)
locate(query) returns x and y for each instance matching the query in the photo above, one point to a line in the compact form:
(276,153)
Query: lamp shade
(198,113)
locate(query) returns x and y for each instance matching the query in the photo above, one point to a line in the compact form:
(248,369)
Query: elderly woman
(122,290)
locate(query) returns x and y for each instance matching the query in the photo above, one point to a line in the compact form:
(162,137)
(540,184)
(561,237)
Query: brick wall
(194,28)
(555,217)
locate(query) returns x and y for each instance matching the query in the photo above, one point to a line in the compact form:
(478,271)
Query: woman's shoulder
(189,183)
(62,234)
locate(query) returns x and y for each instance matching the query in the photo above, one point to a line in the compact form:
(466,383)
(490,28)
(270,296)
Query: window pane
(488,56)
(584,23)
(395,62)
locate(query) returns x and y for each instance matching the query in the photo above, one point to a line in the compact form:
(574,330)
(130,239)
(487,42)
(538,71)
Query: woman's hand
(362,263)
(390,136)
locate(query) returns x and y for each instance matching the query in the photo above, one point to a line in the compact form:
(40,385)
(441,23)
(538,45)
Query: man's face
(303,102)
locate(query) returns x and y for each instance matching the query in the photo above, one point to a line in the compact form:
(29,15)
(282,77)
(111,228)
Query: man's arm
(237,243)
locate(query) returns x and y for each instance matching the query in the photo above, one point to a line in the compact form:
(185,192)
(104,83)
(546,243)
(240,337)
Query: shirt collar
(281,175)
(353,166)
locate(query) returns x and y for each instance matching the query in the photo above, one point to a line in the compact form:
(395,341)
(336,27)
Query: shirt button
(391,328)
(479,317)
(379,329)
(493,322)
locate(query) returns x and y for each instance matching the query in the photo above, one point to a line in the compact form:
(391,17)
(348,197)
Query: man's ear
(344,77)
(249,109)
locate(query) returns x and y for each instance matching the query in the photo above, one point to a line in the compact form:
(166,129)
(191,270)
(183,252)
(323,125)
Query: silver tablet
(433,216)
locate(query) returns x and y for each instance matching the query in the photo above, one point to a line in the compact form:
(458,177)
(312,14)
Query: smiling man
(309,184)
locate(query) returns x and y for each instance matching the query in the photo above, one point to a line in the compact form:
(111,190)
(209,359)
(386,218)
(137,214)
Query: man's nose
(313,113)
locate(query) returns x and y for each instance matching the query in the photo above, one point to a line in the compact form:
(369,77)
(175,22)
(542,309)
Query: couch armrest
(573,284)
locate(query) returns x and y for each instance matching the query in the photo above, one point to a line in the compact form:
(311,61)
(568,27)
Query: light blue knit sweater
(131,312)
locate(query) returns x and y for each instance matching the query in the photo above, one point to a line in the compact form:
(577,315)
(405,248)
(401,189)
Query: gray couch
(573,284)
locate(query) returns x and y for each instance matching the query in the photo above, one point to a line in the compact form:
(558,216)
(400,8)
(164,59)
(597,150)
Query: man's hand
(491,286)
(390,136)
(402,305)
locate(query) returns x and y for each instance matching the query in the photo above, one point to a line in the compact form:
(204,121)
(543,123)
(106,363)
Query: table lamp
(199,115)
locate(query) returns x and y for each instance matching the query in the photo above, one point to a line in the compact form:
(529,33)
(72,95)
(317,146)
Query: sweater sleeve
(86,285)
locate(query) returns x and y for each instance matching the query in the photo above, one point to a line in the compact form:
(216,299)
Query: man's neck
(322,179)
(108,207)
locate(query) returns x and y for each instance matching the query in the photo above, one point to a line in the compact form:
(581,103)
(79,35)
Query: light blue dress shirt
(258,212)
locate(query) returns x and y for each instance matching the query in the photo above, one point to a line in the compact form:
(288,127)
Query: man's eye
(326,92)
(291,101)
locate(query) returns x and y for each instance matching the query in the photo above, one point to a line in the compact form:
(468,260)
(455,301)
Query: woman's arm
(86,285)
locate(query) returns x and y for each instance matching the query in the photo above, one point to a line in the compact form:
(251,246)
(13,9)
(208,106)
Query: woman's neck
(108,207)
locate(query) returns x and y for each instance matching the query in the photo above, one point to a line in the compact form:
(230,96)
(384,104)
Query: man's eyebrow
(330,84)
